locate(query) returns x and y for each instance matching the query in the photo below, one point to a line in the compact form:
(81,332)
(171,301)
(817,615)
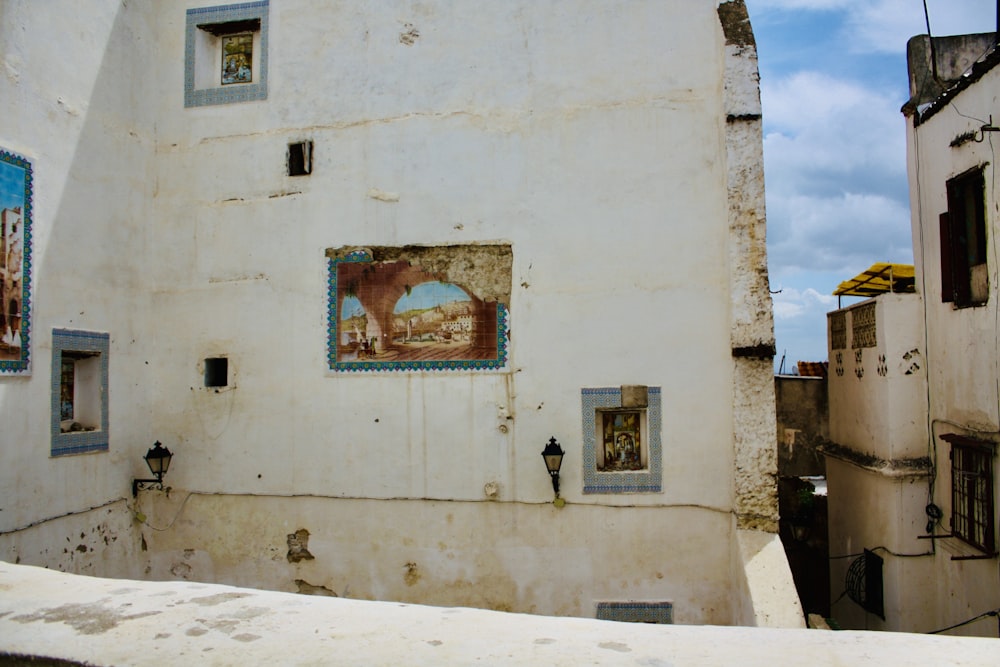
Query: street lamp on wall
(553,455)
(158,459)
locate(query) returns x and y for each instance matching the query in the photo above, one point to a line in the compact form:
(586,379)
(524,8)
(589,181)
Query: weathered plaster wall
(627,183)
(751,325)
(531,558)
(77,98)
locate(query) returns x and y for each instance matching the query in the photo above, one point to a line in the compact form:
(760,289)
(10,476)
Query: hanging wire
(992,612)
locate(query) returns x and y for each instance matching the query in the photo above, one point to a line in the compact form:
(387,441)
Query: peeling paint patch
(298,546)
(409,35)
(305,588)
(412,575)
(736,23)
(379,195)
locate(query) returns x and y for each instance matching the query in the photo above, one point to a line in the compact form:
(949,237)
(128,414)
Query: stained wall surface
(614,149)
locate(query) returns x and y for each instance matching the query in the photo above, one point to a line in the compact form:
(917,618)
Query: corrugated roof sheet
(882,277)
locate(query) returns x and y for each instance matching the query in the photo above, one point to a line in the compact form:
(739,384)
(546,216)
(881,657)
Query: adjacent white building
(914,402)
(232,202)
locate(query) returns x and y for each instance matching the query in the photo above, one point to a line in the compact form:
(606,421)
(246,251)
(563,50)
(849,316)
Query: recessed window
(972,509)
(79,392)
(225,54)
(300,158)
(964,277)
(217,372)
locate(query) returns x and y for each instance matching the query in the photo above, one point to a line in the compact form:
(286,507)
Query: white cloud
(835,161)
(819,123)
(790,303)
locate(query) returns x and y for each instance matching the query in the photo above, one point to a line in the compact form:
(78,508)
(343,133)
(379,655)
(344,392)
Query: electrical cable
(60,516)
(885,549)
(992,612)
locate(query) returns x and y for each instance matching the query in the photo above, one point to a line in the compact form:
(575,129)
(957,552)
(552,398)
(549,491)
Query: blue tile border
(22,365)
(232,93)
(645,481)
(636,612)
(332,320)
(82,441)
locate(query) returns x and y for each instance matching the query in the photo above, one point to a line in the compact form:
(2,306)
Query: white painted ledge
(120,622)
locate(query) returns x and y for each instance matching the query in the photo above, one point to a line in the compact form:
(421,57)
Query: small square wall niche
(622,450)
(300,158)
(216,372)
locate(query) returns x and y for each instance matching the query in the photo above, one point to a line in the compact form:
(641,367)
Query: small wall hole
(300,158)
(217,372)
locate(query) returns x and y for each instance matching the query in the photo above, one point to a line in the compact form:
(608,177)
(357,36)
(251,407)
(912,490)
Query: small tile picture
(237,58)
(623,447)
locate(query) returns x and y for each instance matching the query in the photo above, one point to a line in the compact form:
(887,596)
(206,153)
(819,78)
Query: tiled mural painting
(15,262)
(398,315)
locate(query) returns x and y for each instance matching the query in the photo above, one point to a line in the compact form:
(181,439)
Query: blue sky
(11,186)
(833,78)
(424,295)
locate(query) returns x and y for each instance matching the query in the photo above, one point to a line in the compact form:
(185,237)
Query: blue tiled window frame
(79,442)
(639,481)
(235,92)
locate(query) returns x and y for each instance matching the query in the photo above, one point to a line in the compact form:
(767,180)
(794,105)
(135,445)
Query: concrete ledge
(121,622)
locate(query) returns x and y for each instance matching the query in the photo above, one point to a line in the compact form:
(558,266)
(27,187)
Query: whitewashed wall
(592,139)
(77,99)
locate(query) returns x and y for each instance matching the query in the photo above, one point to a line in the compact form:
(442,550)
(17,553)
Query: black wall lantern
(158,459)
(553,455)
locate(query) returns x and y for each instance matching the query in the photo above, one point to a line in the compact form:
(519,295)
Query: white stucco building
(230,207)
(914,403)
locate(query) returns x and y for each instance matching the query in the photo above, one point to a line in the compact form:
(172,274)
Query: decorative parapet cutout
(622,449)
(16,194)
(416,308)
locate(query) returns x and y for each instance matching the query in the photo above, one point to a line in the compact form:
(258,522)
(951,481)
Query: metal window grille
(972,493)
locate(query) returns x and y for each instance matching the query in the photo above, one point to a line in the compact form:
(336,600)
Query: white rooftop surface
(122,622)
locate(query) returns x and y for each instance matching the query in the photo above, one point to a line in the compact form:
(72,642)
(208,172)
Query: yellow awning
(880,278)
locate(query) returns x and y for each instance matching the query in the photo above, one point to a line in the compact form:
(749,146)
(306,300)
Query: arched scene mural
(418,308)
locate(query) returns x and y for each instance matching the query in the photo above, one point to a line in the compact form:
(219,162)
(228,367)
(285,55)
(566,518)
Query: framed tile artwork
(439,308)
(622,450)
(16,207)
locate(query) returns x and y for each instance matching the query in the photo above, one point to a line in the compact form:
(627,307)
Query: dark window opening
(972,512)
(964,279)
(300,158)
(217,372)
